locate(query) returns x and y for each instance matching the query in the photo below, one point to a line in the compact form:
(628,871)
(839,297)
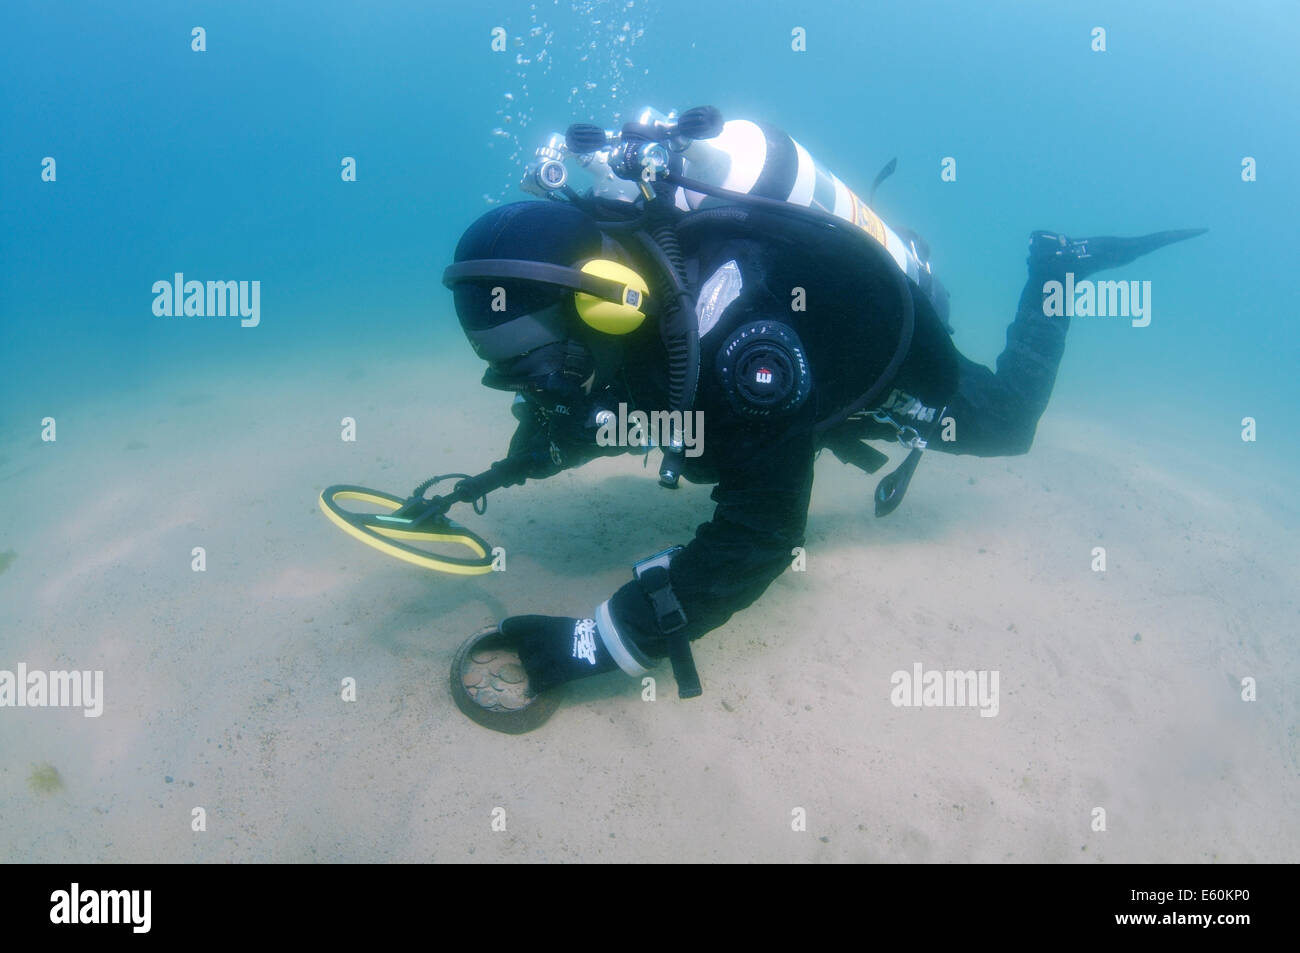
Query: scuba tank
(745,158)
(757,159)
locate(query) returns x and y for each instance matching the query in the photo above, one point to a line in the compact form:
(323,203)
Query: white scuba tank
(754,158)
(757,159)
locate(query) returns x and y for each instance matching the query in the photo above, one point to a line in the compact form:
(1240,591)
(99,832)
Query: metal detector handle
(512,471)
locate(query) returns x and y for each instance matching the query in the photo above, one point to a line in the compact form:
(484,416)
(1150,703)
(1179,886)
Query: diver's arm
(531,437)
(762,509)
(534,437)
(765,482)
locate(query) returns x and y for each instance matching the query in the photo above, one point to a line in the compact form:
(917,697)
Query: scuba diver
(715,272)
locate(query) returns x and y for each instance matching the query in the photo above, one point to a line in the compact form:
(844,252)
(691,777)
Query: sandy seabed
(1119,690)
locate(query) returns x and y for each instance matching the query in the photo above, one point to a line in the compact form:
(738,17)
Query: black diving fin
(1084,256)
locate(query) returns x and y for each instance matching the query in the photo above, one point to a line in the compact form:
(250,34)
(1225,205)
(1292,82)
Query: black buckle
(658,587)
(670,617)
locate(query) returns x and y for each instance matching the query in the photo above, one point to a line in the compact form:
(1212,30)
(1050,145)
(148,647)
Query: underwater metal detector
(418,518)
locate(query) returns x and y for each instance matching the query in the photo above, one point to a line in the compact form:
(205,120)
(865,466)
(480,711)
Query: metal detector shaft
(512,471)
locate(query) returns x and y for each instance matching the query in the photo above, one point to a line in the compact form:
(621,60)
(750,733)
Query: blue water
(225,164)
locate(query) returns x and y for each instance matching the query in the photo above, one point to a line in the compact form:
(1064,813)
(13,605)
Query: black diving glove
(556,649)
(531,437)
(558,441)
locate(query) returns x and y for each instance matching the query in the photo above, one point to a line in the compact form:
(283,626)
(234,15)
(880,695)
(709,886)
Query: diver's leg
(997,413)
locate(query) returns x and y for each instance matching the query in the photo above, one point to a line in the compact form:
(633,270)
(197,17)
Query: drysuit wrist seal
(652,576)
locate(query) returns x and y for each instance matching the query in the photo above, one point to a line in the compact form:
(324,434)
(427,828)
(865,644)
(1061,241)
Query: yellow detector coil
(613,317)
(382,532)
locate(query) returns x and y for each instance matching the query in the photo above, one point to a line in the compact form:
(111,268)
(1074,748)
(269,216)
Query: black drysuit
(764,470)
